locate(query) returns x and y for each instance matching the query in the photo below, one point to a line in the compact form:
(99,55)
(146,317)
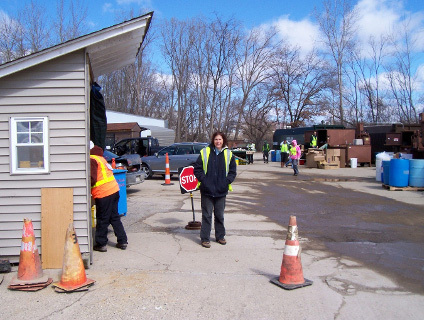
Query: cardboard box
(310,162)
(333,152)
(319,158)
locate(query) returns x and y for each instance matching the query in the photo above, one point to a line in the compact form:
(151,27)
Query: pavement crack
(67,306)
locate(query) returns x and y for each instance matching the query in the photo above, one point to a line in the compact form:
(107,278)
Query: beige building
(45,130)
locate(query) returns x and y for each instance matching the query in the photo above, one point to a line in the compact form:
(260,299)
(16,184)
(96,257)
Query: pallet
(329,166)
(391,188)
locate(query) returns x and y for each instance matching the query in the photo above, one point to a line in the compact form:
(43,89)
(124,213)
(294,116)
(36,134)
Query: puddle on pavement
(333,179)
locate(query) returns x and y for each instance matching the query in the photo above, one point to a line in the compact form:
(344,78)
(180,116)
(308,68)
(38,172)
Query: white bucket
(353,162)
(358,142)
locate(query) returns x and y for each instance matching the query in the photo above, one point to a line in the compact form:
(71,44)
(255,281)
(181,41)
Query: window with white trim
(29,145)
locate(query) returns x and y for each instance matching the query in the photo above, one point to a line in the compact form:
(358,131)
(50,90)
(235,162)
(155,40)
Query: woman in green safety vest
(215,169)
(295,154)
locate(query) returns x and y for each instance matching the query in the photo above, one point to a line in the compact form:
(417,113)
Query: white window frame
(13,146)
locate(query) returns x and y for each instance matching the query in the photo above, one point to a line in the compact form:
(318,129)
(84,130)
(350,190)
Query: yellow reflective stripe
(105,179)
(205,152)
(205,157)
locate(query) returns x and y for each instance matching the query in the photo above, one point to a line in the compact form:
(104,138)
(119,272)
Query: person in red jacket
(105,191)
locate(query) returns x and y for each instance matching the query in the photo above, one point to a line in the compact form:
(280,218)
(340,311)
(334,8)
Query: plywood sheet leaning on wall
(57,213)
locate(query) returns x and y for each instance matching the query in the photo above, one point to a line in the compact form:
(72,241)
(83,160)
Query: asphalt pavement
(166,274)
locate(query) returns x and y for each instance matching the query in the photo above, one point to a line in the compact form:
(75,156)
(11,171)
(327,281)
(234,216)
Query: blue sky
(293,18)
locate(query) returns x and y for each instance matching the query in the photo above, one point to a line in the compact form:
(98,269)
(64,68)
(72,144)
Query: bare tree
(402,78)
(9,38)
(299,84)
(337,23)
(70,21)
(177,46)
(36,23)
(253,62)
(258,123)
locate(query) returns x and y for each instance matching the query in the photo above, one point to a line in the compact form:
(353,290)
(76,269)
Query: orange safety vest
(106,183)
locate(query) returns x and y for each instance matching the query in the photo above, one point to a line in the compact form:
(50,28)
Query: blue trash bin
(121,177)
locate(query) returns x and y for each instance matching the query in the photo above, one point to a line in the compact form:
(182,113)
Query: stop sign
(188,180)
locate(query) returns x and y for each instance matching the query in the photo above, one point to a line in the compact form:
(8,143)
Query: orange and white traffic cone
(30,274)
(291,275)
(167,172)
(73,273)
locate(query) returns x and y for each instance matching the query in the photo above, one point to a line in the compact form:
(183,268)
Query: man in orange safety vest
(105,191)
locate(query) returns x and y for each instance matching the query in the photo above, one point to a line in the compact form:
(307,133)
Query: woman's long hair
(224,138)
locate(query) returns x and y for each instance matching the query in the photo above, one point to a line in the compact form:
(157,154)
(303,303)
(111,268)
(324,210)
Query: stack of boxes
(328,159)
(332,159)
(314,157)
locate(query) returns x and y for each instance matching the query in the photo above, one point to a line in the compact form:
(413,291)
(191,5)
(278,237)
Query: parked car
(144,146)
(130,162)
(181,154)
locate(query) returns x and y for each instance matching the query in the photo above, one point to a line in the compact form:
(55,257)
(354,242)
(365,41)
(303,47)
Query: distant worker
(215,169)
(295,154)
(250,147)
(284,153)
(265,151)
(105,191)
(314,140)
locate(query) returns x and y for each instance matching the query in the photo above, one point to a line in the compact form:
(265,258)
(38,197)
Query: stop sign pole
(188,183)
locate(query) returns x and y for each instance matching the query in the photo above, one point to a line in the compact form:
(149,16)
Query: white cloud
(136,2)
(302,33)
(377,17)
(107,7)
(386,17)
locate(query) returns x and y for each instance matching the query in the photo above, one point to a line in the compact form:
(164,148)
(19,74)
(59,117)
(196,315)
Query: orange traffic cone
(30,274)
(291,276)
(73,272)
(167,172)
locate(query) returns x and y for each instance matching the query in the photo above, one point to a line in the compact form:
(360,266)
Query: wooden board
(57,213)
(391,188)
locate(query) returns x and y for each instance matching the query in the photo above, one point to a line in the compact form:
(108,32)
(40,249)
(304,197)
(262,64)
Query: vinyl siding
(56,89)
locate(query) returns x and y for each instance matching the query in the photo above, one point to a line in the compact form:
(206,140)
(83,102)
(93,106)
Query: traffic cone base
(277,282)
(73,272)
(81,287)
(29,287)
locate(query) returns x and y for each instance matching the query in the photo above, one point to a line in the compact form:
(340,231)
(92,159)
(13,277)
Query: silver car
(180,155)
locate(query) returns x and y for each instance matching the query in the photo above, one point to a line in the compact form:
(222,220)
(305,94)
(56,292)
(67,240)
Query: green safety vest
(293,151)
(265,147)
(284,147)
(314,141)
(205,152)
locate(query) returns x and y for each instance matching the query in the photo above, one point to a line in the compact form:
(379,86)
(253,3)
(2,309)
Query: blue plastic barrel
(416,173)
(278,156)
(273,155)
(386,172)
(121,177)
(399,173)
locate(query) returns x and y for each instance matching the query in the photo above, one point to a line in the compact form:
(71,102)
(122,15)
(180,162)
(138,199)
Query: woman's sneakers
(121,246)
(222,241)
(206,244)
